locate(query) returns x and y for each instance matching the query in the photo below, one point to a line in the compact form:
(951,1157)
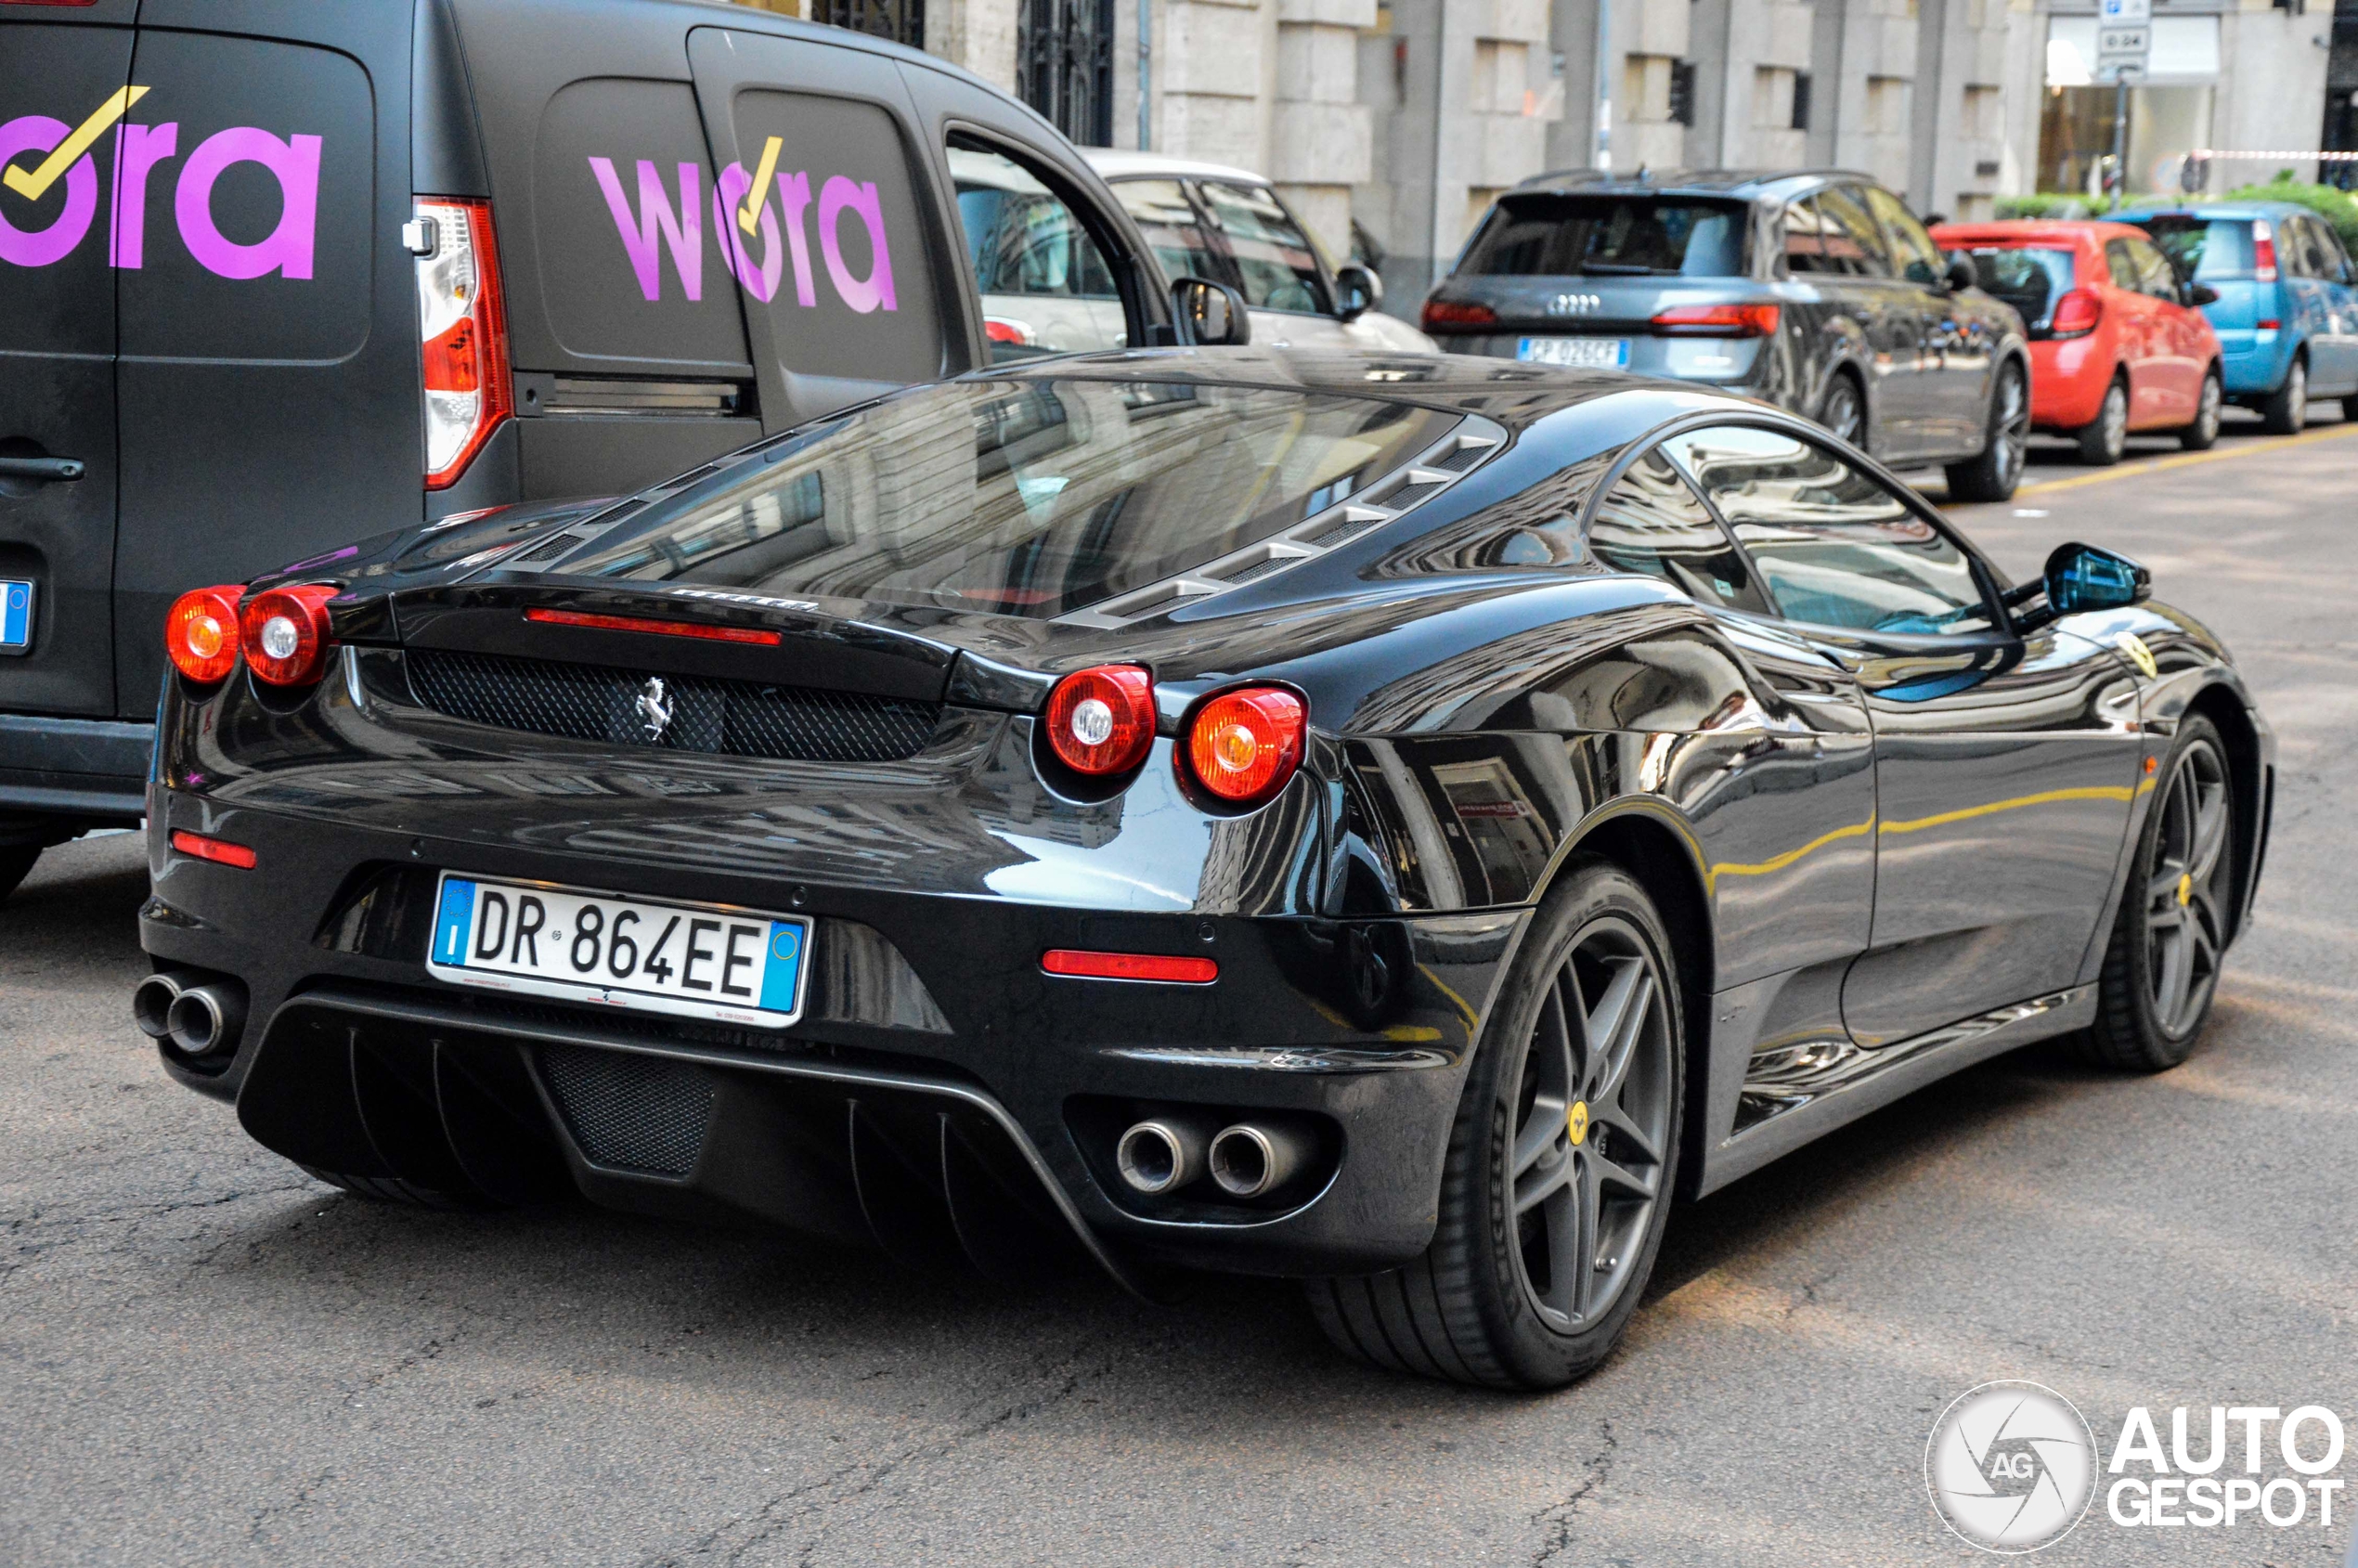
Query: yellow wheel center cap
(1576,1122)
(2185,889)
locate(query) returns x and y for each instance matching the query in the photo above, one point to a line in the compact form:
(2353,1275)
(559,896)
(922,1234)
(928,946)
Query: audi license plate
(1581,354)
(701,960)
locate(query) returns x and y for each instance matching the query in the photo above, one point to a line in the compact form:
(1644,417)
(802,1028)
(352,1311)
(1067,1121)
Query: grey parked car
(1814,290)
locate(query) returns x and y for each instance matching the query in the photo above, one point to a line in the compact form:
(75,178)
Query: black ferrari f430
(1397,823)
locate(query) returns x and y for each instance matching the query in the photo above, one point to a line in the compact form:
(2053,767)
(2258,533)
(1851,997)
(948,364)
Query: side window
(1805,250)
(2317,246)
(1172,228)
(2337,259)
(1280,271)
(2122,266)
(1913,255)
(1654,525)
(1852,238)
(2303,251)
(2154,271)
(1046,286)
(1832,545)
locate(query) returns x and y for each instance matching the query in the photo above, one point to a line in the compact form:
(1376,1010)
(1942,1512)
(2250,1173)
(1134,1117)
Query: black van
(277,274)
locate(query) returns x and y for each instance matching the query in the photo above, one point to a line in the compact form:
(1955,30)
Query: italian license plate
(16,615)
(1583,354)
(700,961)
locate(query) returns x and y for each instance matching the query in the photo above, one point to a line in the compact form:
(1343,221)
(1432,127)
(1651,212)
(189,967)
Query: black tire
(2103,439)
(2286,410)
(1844,410)
(1993,475)
(1474,1308)
(2161,964)
(16,864)
(2203,434)
(393,1191)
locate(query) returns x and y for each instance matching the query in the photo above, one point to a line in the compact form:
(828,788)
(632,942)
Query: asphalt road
(206,1357)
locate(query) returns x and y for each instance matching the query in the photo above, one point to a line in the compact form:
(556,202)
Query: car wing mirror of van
(1961,273)
(1357,292)
(1209,313)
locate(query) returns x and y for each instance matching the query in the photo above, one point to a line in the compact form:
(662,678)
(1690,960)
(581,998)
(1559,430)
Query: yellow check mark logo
(749,218)
(33,186)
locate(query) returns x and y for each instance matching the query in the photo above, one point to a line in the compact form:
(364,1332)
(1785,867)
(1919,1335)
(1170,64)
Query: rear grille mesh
(629,1112)
(735,718)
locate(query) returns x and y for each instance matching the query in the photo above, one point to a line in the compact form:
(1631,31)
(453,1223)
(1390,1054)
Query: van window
(247,176)
(1542,235)
(1046,286)
(2204,249)
(2031,279)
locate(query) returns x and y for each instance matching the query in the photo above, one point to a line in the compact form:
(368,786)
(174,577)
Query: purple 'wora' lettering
(862,295)
(681,230)
(287,251)
(728,195)
(794,195)
(38,133)
(137,150)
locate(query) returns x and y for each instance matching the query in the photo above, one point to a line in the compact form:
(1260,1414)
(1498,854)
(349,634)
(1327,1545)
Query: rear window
(1022,498)
(1609,236)
(2030,280)
(2204,248)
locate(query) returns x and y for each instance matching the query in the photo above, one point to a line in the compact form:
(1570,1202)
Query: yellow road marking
(69,151)
(749,218)
(2187,460)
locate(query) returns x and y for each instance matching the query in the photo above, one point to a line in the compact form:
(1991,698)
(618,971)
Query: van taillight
(2263,250)
(464,331)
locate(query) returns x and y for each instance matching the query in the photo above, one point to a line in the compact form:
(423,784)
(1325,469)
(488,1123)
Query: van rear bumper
(93,770)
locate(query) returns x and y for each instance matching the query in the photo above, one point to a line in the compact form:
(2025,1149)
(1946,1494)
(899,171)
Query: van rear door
(65,74)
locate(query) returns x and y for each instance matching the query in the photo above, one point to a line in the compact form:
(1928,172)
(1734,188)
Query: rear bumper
(2068,381)
(91,770)
(939,1089)
(2253,363)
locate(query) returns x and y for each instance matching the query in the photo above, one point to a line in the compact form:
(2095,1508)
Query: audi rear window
(2029,280)
(1020,497)
(1550,236)
(2203,248)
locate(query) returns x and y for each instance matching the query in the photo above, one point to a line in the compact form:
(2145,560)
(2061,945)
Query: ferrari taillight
(463,327)
(2076,314)
(1243,745)
(284,634)
(1102,721)
(200,632)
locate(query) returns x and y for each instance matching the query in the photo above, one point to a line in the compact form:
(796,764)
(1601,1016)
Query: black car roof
(1745,183)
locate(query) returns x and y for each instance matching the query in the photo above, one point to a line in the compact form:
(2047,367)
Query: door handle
(52,471)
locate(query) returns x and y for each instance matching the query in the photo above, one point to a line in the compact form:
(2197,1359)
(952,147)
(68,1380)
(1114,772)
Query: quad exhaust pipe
(195,1016)
(1246,1160)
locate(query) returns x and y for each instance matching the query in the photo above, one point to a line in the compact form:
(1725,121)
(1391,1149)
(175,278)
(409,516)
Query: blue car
(2286,313)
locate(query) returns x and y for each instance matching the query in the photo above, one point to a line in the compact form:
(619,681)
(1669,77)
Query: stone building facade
(1390,124)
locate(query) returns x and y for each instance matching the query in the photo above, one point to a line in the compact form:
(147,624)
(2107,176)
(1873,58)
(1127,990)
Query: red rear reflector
(1129,967)
(219,850)
(2270,324)
(661,629)
(1717,322)
(1453,313)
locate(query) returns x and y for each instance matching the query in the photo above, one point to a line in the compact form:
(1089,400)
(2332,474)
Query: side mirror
(1962,274)
(1210,314)
(2080,577)
(1357,292)
(2200,294)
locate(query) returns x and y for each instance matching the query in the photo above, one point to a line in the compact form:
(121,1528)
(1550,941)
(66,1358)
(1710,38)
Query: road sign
(2122,49)
(2124,13)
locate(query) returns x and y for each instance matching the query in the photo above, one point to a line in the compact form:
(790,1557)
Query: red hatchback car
(2117,339)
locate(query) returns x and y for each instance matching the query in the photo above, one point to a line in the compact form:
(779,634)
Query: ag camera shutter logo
(2011,1467)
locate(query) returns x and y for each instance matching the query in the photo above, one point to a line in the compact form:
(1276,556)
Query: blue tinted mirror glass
(2080,577)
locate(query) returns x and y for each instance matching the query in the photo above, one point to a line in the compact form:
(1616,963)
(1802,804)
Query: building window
(1064,65)
(903,21)
(1985,113)
(1801,101)
(1888,106)
(1682,93)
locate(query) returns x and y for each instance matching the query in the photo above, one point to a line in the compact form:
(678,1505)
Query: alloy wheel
(1592,1116)
(2186,926)
(2014,427)
(2207,412)
(1844,414)
(2115,419)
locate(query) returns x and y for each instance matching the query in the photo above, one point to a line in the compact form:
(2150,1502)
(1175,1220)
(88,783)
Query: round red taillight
(285,634)
(1101,721)
(1243,745)
(200,632)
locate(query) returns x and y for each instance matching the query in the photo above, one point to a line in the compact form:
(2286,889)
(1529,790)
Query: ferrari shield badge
(2139,655)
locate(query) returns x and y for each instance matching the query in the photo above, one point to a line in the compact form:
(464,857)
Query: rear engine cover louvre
(686,713)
